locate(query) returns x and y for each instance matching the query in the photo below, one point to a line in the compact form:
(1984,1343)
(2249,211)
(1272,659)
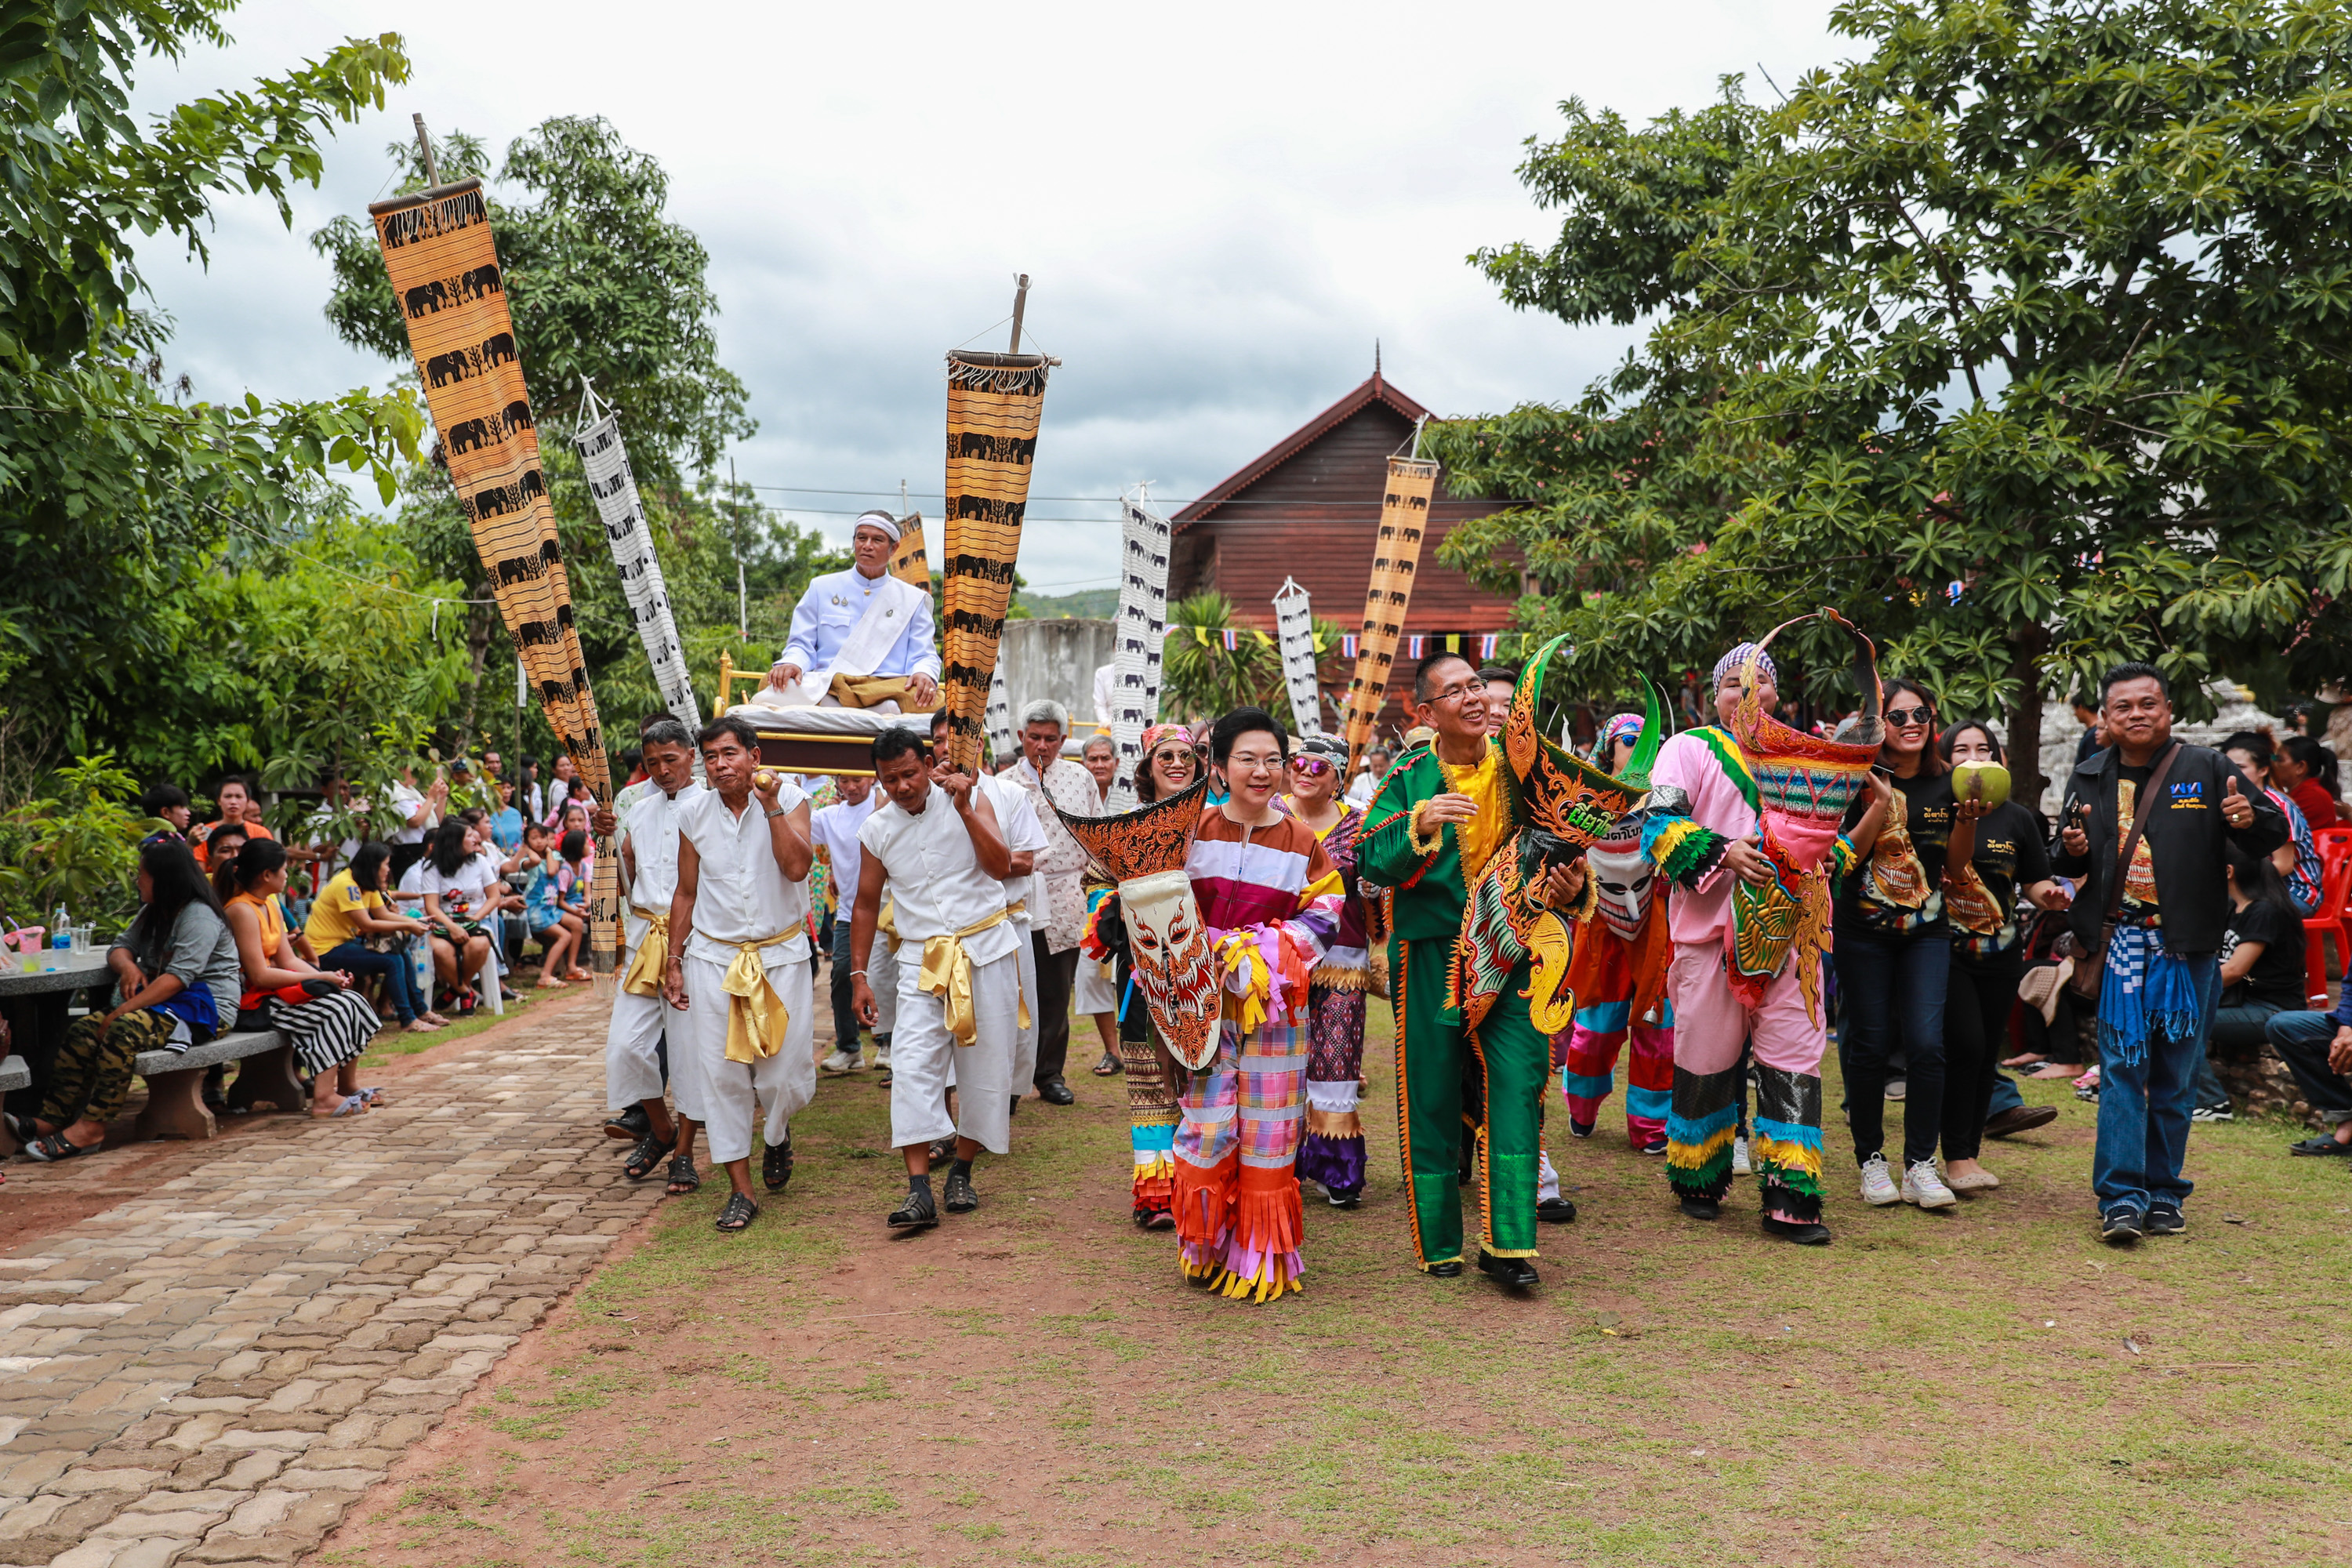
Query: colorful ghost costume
(1333,1151)
(1748,960)
(1509,978)
(1623,950)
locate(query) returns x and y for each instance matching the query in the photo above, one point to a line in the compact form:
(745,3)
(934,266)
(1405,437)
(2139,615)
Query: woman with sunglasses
(1333,1152)
(1169,766)
(1894,950)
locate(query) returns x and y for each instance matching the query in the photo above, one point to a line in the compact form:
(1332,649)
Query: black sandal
(683,1177)
(776,1165)
(737,1216)
(1109,1066)
(646,1155)
(53,1148)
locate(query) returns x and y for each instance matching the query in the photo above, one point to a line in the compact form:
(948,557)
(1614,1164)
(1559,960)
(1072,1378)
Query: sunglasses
(1311,767)
(1909,715)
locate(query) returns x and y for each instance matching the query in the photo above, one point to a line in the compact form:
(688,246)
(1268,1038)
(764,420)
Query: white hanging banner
(1001,741)
(1294,626)
(598,442)
(1141,630)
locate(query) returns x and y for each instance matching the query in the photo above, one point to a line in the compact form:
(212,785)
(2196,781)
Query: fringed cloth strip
(1337,1159)
(1701,1123)
(2146,991)
(1786,1150)
(1404,512)
(1682,851)
(994,403)
(1240,1226)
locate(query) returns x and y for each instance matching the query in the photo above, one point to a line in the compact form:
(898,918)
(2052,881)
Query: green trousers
(1438,1064)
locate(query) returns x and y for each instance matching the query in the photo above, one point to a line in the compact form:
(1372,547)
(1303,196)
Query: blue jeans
(1893,989)
(2144,1110)
(399,975)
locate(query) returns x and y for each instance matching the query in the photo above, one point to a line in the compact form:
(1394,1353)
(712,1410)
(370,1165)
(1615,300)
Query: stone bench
(14,1074)
(175,1083)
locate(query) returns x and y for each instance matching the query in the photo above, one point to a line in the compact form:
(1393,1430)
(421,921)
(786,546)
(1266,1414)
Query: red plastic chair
(2329,923)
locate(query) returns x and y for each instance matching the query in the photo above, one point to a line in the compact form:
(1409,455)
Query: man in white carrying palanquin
(633,1072)
(860,638)
(739,971)
(938,845)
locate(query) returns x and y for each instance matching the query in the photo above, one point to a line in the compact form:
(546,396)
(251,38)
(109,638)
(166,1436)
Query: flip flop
(373,1097)
(353,1105)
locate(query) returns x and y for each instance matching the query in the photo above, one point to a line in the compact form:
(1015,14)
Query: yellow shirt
(1483,834)
(333,921)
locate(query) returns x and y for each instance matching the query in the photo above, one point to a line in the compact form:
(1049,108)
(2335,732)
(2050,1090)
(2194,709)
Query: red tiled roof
(1375,389)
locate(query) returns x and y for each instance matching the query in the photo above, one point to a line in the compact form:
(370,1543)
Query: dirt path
(1032,1384)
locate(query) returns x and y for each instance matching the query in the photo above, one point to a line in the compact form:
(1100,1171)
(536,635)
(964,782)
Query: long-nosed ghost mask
(1170,947)
(1624,881)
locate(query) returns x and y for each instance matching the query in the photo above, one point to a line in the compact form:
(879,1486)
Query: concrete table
(37,1004)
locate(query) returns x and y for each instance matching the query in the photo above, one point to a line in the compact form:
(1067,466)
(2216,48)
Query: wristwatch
(775,811)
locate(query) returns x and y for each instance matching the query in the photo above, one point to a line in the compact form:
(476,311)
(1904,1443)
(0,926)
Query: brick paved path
(213,1371)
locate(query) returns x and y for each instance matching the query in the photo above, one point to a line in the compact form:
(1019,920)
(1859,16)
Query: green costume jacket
(1430,891)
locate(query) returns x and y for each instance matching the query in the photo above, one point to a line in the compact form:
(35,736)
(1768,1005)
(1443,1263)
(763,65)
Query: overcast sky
(1221,209)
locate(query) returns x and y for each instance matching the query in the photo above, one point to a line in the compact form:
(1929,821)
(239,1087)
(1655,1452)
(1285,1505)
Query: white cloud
(1219,208)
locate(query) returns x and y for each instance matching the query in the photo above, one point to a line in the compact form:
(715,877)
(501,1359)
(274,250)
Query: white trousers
(1096,991)
(632,1049)
(923,1056)
(726,1095)
(1024,1040)
(882,975)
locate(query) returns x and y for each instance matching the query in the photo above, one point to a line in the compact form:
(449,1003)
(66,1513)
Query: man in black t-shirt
(2262,973)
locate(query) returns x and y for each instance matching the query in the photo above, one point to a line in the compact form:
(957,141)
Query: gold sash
(947,975)
(756,1019)
(872,690)
(645,975)
(885,923)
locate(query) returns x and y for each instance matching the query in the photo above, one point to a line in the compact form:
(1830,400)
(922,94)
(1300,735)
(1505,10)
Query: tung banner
(994,402)
(1404,516)
(445,273)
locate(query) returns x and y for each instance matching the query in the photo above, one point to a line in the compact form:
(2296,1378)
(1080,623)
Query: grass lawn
(1033,1383)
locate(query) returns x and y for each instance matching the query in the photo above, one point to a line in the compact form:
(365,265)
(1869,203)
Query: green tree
(601,284)
(115,491)
(2024,339)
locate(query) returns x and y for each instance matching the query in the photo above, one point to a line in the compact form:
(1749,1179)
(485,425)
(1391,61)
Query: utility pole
(742,605)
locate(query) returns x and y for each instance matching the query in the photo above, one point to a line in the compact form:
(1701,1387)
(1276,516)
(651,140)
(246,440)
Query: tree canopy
(2023,339)
(119,492)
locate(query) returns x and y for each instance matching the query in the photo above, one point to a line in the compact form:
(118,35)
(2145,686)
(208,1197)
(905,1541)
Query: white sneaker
(841,1062)
(1922,1186)
(1739,1165)
(1897,1088)
(1878,1183)
(882,1057)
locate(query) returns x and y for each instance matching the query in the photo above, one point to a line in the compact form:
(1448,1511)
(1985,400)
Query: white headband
(876,519)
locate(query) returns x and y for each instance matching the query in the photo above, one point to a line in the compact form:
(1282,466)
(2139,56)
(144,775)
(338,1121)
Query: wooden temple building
(1309,508)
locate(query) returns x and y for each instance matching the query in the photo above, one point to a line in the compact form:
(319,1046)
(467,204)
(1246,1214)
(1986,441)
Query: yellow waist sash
(645,975)
(947,975)
(756,1019)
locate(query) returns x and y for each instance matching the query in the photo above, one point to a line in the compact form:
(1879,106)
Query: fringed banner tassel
(1294,622)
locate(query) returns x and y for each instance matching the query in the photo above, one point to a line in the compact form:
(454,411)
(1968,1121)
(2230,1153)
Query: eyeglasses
(1909,715)
(1311,767)
(1456,693)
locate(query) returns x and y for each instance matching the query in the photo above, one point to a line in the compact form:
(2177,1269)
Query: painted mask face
(1170,949)
(1625,880)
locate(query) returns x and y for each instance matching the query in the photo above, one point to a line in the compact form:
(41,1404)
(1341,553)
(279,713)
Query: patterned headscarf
(1621,727)
(1738,657)
(1159,732)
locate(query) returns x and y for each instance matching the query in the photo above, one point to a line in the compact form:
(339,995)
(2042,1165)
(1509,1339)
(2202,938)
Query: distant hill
(1094,603)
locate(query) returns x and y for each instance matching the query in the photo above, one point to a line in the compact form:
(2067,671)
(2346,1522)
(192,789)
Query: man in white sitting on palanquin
(860,638)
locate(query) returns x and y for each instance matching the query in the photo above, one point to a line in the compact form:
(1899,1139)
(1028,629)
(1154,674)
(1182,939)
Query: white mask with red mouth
(1170,948)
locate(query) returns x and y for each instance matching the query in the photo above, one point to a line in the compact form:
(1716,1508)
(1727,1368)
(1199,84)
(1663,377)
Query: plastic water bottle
(60,930)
